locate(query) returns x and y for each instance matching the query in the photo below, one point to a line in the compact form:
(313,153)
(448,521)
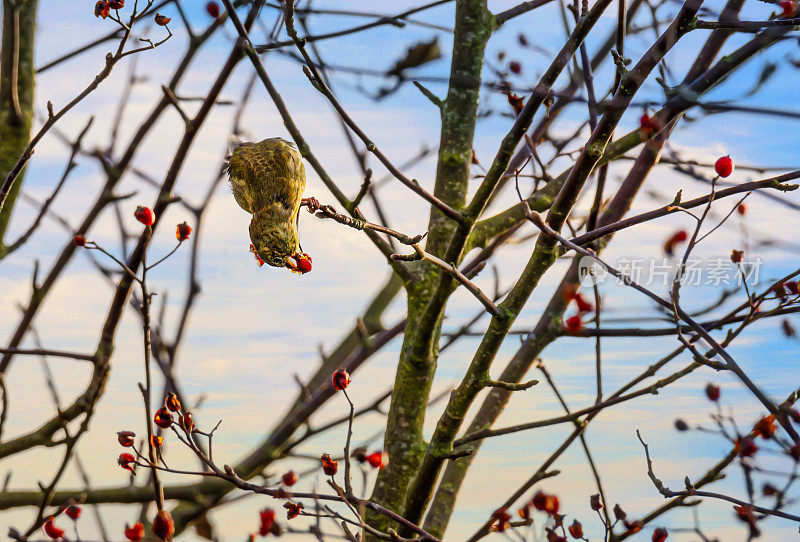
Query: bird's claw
(312,204)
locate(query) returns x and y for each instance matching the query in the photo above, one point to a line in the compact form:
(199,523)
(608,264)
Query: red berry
(574,323)
(172,402)
(161,20)
(212,8)
(583,305)
(289,479)
(745,513)
(516,102)
(341,379)
(293,509)
(660,534)
(594,502)
(724,166)
(52,531)
(649,125)
(545,502)
(127,461)
(741,209)
(163,418)
(679,236)
(713,392)
(789,8)
(515,67)
(304,265)
(145,215)
(156,441)
(747,447)
(576,529)
(183,232)
(125,438)
(765,427)
(101,9)
(551,505)
(378,460)
(73,512)
(267,521)
(135,532)
(502,517)
(300,263)
(80,240)
(163,525)
(188,421)
(329,466)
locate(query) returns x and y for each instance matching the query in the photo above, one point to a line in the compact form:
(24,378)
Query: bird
(267,179)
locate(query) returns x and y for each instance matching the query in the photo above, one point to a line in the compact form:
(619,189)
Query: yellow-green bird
(268,179)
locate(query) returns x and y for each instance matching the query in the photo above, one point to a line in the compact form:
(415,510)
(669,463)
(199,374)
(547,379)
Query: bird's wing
(236,168)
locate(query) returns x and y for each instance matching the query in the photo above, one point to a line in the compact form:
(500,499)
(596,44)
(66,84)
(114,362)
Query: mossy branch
(17,83)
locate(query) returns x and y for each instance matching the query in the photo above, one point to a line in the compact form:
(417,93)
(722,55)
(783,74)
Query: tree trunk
(16,94)
(417,364)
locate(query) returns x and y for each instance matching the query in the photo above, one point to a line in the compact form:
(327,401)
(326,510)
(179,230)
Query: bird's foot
(312,204)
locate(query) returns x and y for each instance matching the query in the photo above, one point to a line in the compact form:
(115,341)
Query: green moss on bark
(417,363)
(16,95)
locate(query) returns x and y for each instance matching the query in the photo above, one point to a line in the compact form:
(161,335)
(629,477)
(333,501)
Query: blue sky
(253,329)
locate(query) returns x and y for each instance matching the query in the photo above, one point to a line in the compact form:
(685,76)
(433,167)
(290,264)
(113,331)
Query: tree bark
(16,94)
(417,365)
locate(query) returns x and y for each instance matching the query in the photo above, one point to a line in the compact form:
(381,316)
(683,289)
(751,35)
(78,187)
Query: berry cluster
(575,322)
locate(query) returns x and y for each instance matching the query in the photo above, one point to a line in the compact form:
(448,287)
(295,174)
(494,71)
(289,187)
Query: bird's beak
(291,263)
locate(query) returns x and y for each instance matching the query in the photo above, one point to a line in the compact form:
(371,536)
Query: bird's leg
(312,204)
(297,224)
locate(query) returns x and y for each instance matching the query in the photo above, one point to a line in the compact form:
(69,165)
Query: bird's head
(277,245)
